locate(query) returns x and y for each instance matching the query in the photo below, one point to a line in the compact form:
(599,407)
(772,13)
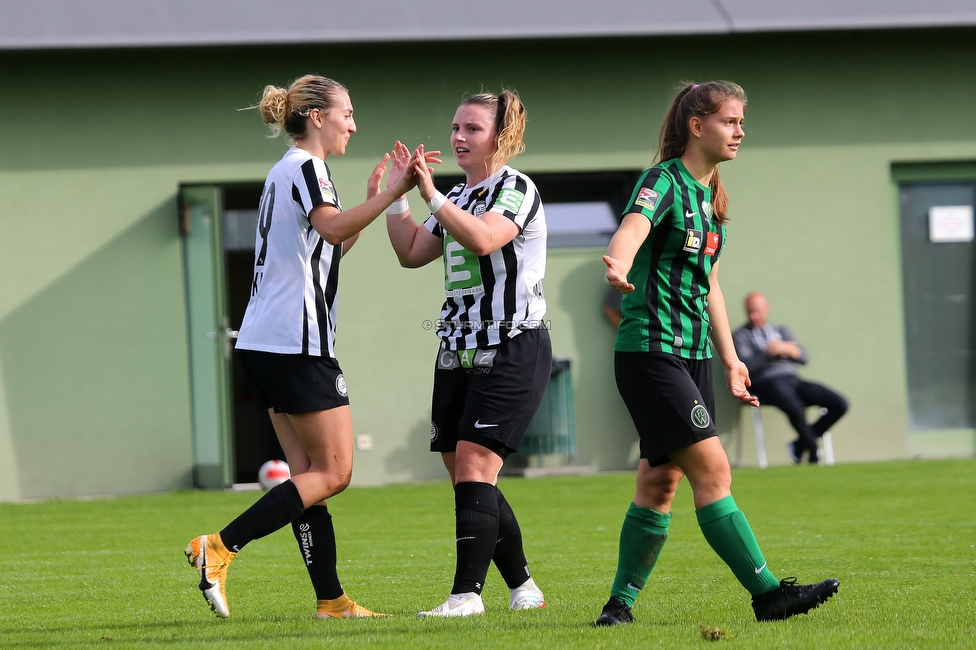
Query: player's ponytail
(697,100)
(288,109)
(510,127)
(720,199)
(510,119)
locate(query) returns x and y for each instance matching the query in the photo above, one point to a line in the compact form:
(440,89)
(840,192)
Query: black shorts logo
(699,417)
(341,386)
(433,432)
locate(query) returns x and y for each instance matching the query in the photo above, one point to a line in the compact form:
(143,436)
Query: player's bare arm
(480,235)
(736,373)
(632,232)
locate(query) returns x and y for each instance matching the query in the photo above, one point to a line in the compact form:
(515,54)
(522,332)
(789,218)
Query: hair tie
(694,86)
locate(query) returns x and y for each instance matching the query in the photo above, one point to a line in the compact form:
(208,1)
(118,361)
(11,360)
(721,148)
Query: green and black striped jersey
(666,310)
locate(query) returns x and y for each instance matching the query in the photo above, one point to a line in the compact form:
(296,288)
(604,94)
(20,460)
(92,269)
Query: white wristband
(398,207)
(436,202)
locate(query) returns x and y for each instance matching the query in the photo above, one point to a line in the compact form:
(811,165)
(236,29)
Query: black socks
(476,511)
(509,556)
(312,527)
(280,506)
(316,539)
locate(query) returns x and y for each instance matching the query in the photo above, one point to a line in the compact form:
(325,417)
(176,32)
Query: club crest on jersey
(707,209)
(479,208)
(711,243)
(510,199)
(647,198)
(699,417)
(693,241)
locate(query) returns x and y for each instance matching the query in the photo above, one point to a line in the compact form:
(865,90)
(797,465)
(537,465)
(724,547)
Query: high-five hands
(423,172)
(403,172)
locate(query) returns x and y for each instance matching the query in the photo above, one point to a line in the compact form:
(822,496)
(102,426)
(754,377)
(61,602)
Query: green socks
(645,530)
(728,533)
(642,537)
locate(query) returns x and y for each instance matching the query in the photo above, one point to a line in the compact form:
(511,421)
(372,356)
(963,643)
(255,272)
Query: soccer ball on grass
(273,473)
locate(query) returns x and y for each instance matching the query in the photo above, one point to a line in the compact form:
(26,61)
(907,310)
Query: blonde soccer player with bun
(286,345)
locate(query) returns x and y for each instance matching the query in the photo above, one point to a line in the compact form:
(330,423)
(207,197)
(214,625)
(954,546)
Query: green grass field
(900,536)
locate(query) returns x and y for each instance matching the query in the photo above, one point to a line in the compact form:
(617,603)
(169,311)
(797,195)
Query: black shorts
(671,400)
(488,396)
(293,383)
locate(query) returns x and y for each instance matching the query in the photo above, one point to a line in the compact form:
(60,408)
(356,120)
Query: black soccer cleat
(614,613)
(791,599)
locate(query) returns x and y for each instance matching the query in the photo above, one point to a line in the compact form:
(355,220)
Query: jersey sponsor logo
(647,198)
(462,271)
(699,417)
(485,358)
(341,385)
(689,214)
(510,199)
(447,360)
(693,241)
(678,341)
(711,243)
(473,358)
(327,190)
(467,291)
(707,208)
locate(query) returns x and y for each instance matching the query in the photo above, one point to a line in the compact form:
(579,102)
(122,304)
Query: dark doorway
(940,303)
(254,437)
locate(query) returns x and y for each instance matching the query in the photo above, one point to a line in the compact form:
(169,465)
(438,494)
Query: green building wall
(94,146)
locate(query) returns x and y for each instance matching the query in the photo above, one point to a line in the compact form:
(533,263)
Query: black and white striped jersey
(292,309)
(497,295)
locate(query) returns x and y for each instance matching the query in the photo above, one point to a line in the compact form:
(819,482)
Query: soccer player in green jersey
(664,260)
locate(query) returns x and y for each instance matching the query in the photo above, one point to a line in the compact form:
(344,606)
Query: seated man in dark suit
(772,353)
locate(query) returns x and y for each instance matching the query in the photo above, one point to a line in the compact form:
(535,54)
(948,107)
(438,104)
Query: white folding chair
(827,457)
(828,449)
(827,443)
(757,428)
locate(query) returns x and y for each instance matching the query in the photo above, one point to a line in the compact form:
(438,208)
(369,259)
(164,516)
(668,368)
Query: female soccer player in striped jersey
(286,341)
(495,358)
(664,260)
